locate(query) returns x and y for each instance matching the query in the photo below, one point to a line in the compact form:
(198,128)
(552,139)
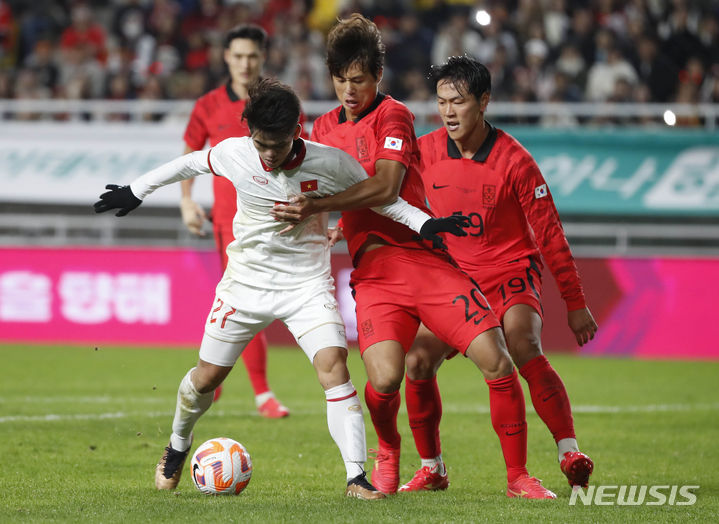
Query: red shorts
(223,237)
(516,282)
(395,288)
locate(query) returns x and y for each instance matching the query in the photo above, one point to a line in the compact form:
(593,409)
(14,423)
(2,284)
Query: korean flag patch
(393,143)
(540,191)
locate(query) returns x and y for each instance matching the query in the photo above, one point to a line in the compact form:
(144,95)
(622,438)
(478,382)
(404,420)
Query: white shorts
(239,312)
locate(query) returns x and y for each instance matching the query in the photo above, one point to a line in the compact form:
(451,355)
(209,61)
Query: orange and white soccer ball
(221,466)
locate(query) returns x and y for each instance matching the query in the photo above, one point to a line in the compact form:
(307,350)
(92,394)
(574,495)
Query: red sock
(549,397)
(383,408)
(424,408)
(506,405)
(255,358)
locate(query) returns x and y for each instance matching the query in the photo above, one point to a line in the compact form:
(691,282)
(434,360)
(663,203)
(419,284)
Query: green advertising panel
(627,171)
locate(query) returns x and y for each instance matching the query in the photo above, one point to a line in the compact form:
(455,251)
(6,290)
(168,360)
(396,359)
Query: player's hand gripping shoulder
(119,197)
(454,224)
(582,323)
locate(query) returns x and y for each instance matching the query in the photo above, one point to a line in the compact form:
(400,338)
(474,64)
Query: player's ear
(484,101)
(379,75)
(298,132)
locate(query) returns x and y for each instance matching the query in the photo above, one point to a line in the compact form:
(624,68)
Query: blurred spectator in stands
(303,60)
(129,23)
(571,63)
(455,38)
(581,33)
(41,62)
(556,23)
(409,49)
(655,69)
(81,75)
(153,89)
(195,55)
(680,39)
(85,33)
(204,19)
(119,87)
(709,36)
(540,78)
(495,35)
(502,75)
(604,74)
(41,19)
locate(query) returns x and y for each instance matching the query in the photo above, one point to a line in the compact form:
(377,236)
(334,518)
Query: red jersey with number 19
(509,204)
(385,130)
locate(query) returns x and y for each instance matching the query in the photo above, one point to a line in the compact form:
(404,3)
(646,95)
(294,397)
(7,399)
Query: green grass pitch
(81,430)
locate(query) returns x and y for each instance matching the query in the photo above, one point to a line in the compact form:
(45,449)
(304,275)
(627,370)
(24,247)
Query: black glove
(454,224)
(118,197)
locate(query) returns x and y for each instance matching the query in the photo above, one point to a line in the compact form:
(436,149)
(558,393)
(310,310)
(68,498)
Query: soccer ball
(221,466)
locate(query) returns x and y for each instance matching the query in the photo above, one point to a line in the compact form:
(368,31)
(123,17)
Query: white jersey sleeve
(181,168)
(399,210)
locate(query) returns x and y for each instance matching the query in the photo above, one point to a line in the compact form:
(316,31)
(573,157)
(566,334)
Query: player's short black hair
(247,32)
(464,73)
(272,107)
(355,40)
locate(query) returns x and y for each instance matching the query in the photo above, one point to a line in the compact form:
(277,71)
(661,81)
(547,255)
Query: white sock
(566,445)
(346,424)
(435,462)
(263,397)
(190,407)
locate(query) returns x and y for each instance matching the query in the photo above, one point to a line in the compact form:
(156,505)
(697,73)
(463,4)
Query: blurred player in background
(215,117)
(471,168)
(397,281)
(275,271)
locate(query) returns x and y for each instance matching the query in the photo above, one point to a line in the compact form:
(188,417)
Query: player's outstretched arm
(127,198)
(582,324)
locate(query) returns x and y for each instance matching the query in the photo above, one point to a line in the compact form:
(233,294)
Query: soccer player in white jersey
(276,271)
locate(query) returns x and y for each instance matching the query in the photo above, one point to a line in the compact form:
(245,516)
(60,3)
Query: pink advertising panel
(649,308)
(98,296)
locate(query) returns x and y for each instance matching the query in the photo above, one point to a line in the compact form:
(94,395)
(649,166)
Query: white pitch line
(451,408)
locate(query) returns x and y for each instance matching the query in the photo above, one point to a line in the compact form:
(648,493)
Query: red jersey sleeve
(538,206)
(196,132)
(395,135)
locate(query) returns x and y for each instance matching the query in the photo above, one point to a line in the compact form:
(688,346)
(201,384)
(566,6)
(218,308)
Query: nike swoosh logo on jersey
(435,186)
(514,433)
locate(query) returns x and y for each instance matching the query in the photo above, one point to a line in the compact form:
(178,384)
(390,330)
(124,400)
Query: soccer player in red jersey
(397,281)
(216,116)
(472,168)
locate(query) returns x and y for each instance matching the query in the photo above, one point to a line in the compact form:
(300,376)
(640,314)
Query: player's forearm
(370,192)
(404,213)
(182,168)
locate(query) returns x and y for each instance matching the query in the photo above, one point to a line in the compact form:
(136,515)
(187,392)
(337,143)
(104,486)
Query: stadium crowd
(536,50)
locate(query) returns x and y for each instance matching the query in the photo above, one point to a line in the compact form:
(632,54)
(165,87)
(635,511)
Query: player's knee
(523,346)
(386,382)
(207,378)
(331,366)
(420,365)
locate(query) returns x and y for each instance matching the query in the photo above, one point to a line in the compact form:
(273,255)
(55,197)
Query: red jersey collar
(377,101)
(482,153)
(294,159)
(230,93)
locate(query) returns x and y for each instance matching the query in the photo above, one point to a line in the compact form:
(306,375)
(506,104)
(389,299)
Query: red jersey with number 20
(508,201)
(385,130)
